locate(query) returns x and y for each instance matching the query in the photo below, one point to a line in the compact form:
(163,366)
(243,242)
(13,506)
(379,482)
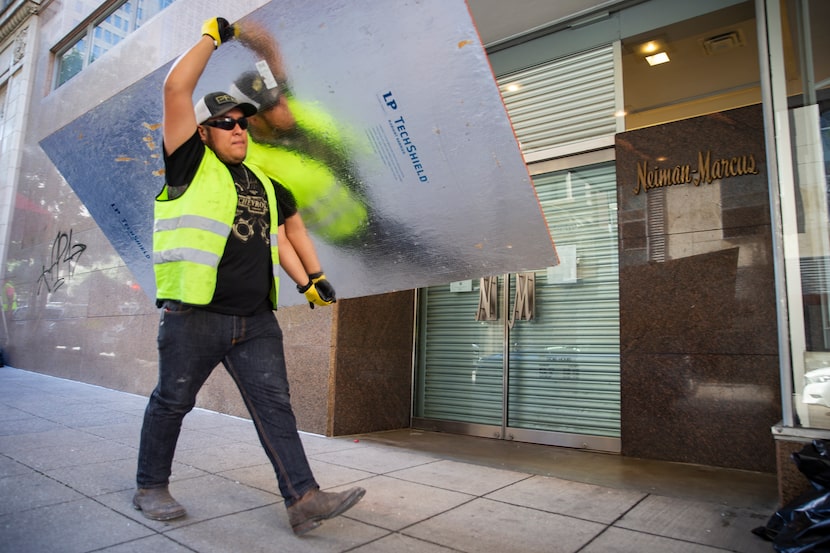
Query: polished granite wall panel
(791,481)
(704,409)
(308,338)
(372,379)
(698,304)
(698,337)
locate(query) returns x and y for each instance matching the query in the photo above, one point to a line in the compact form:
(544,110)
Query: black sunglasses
(227,123)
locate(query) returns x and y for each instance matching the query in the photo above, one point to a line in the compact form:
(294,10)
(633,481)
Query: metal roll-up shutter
(563,364)
(564,101)
(453,345)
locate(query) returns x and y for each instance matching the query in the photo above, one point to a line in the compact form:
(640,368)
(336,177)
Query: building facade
(679,152)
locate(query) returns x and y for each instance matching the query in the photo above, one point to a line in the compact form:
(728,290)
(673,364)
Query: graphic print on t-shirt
(252,210)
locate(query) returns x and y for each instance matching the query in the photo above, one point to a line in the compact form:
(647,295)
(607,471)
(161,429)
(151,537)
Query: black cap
(220,103)
(252,87)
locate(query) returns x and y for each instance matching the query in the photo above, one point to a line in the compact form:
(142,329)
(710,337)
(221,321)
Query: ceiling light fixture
(650,47)
(658,58)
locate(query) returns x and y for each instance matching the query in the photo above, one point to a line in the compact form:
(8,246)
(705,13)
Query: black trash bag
(814,462)
(803,524)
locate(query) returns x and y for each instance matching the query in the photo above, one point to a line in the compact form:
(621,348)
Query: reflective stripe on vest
(193,221)
(186,254)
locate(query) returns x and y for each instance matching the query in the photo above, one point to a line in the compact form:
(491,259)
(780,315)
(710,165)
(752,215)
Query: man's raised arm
(179,122)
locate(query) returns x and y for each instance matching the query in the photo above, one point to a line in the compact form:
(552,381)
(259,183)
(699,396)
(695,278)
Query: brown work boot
(316,506)
(157,504)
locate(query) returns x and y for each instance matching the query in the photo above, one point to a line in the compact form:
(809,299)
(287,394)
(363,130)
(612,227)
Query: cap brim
(247,110)
(203,114)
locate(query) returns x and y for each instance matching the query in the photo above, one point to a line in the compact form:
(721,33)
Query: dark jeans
(191,343)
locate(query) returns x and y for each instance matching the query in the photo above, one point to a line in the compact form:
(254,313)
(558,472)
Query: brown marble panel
(705,409)
(371,389)
(791,481)
(307,335)
(695,305)
(698,338)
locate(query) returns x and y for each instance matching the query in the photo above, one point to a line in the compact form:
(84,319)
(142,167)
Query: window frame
(86,30)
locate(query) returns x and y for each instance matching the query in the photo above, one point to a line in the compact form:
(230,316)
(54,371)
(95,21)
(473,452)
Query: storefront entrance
(534,356)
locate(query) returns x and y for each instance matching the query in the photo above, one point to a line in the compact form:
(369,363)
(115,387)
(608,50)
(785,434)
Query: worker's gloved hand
(324,287)
(318,291)
(219,30)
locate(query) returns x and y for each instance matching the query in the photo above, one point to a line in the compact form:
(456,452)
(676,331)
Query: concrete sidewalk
(67,469)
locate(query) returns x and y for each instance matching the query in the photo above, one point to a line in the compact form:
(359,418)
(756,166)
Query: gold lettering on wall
(708,170)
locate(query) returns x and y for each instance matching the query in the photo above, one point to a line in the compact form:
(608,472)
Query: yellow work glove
(318,291)
(219,30)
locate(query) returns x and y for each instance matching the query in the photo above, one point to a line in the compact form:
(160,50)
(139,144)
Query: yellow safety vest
(190,232)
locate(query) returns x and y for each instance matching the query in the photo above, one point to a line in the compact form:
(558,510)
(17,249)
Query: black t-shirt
(245,271)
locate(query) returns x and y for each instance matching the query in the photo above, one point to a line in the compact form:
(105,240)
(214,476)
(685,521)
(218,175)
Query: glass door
(534,356)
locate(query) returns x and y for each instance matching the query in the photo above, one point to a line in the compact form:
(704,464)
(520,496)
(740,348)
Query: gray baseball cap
(220,103)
